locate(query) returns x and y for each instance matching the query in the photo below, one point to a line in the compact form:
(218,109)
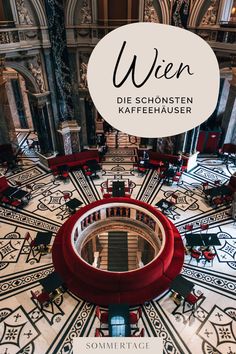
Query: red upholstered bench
(3,184)
(155,158)
(72,160)
(104,287)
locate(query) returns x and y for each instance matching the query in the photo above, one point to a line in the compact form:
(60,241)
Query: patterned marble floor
(26,329)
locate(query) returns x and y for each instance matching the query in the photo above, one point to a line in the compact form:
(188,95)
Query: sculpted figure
(210,16)
(23,13)
(85,13)
(37,74)
(150,14)
(83,76)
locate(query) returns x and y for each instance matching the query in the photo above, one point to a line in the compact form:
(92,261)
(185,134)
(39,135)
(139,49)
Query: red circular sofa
(105,287)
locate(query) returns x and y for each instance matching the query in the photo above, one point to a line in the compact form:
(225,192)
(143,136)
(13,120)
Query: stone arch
(161,7)
(69,12)
(162,10)
(165,12)
(40,12)
(21,69)
(198,11)
(37,12)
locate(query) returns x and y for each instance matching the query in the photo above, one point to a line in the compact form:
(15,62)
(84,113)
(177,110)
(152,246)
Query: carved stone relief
(36,71)
(210,16)
(85,12)
(150,14)
(83,71)
(23,13)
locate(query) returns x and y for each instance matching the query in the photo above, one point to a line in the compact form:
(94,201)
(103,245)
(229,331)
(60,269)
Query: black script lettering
(160,72)
(131,69)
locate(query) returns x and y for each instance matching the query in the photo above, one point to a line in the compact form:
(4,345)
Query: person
(145,156)
(143,161)
(170,173)
(233,209)
(179,162)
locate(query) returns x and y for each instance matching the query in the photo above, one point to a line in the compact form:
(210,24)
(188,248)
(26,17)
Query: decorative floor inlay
(219,330)
(26,329)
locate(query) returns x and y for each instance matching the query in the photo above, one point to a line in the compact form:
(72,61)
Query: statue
(23,13)
(83,76)
(233,81)
(211,14)
(37,74)
(85,11)
(2,68)
(150,14)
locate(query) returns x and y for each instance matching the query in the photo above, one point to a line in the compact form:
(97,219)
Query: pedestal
(69,132)
(41,120)
(7,129)
(192,161)
(43,160)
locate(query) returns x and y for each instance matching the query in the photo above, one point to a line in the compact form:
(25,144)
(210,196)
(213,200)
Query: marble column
(69,131)
(195,139)
(83,121)
(190,141)
(180,143)
(25,102)
(39,106)
(7,129)
(229,117)
(61,68)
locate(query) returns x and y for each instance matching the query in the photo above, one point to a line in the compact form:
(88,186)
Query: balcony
(222,38)
(13,39)
(7,24)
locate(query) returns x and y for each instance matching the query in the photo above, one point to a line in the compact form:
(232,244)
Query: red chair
(99,333)
(228,199)
(135,316)
(35,294)
(16,203)
(43,298)
(65,174)
(142,170)
(196,255)
(29,239)
(140,334)
(101,315)
(204,227)
(209,256)
(66,196)
(5,200)
(217,201)
(28,236)
(174,198)
(88,173)
(188,227)
(192,299)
